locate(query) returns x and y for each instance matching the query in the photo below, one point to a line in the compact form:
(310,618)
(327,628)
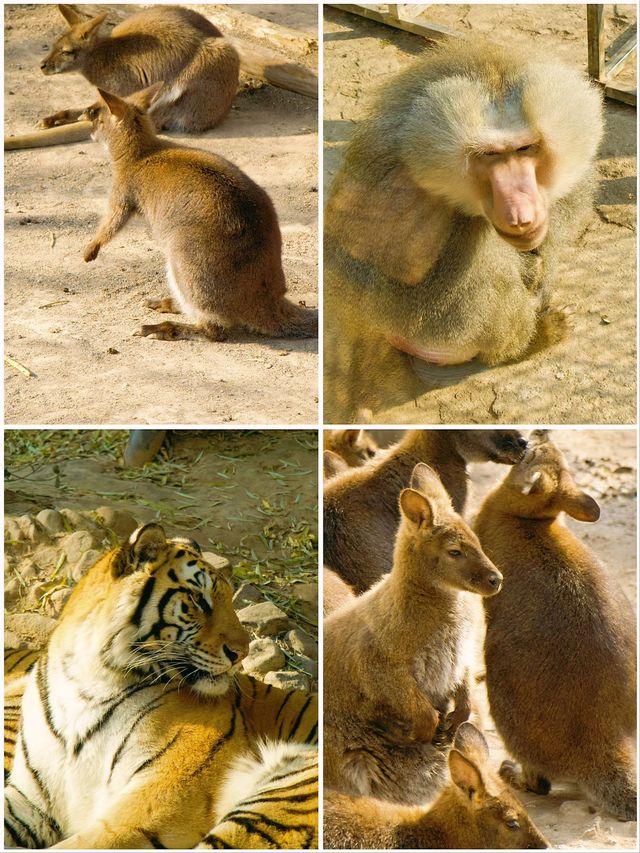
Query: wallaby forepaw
(91,252)
(524,780)
(164,305)
(56,120)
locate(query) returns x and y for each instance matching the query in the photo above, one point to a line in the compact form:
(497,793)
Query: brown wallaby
(335,591)
(167,44)
(396,659)
(355,446)
(439,257)
(476,810)
(560,646)
(218,229)
(360,508)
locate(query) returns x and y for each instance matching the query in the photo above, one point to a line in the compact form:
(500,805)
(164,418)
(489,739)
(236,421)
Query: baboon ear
(333,464)
(579,505)
(70,15)
(90,28)
(465,774)
(117,106)
(471,742)
(416,507)
(144,98)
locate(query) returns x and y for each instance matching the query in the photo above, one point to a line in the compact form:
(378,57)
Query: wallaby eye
(513,824)
(525,148)
(67,52)
(371,453)
(454,552)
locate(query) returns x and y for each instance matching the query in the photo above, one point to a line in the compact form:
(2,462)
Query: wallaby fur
(409,258)
(396,659)
(476,810)
(168,44)
(355,446)
(560,646)
(360,507)
(333,464)
(335,592)
(218,229)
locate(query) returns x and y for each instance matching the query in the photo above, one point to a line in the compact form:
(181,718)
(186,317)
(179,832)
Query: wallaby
(360,508)
(218,229)
(167,44)
(476,810)
(335,592)
(560,646)
(355,446)
(396,659)
(333,464)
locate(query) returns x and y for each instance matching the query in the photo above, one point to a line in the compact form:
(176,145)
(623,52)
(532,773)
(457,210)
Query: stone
(245,595)
(264,619)
(307,596)
(308,666)
(122,523)
(51,521)
(33,629)
(286,680)
(220,563)
(303,643)
(13,641)
(84,564)
(77,521)
(46,557)
(29,527)
(12,531)
(57,601)
(78,543)
(28,569)
(265,655)
(11,592)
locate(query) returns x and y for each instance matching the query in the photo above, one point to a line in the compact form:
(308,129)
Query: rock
(265,655)
(28,569)
(308,666)
(77,521)
(84,564)
(302,643)
(307,595)
(12,530)
(287,680)
(57,601)
(78,543)
(33,629)
(51,521)
(46,557)
(35,593)
(220,563)
(264,619)
(246,594)
(13,641)
(122,523)
(29,527)
(11,592)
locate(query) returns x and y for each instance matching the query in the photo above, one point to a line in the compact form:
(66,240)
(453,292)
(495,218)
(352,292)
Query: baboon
(473,168)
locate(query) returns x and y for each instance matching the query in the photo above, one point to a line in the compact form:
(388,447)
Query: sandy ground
(589,378)
(604,463)
(65,318)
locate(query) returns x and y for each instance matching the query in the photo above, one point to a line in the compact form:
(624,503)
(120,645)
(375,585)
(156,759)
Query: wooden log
(77,131)
(433,32)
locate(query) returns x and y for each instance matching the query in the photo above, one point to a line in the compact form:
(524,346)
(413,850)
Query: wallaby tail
(77,131)
(298,321)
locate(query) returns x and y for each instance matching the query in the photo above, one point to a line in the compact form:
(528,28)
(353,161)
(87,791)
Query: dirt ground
(590,377)
(604,463)
(71,323)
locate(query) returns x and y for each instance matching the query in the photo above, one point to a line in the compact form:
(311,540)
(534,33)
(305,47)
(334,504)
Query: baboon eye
(513,824)
(525,148)
(454,552)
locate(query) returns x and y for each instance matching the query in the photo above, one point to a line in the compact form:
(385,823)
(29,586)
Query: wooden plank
(595,40)
(620,51)
(435,32)
(621,92)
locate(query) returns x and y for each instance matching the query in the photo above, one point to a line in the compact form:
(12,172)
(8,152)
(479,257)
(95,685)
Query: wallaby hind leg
(59,118)
(164,305)
(170,331)
(524,778)
(615,790)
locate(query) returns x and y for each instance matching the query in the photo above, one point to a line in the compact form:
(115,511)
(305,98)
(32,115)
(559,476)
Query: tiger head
(173,614)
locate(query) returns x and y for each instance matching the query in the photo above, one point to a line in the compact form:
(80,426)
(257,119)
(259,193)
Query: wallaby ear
(70,15)
(578,504)
(465,774)
(424,479)
(117,106)
(416,507)
(333,464)
(90,28)
(539,436)
(471,742)
(352,436)
(144,98)
(143,547)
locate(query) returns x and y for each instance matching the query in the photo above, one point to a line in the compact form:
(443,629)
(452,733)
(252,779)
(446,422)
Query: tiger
(17,663)
(136,713)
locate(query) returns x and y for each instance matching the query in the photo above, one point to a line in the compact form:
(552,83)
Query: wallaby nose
(495,580)
(522,443)
(43,66)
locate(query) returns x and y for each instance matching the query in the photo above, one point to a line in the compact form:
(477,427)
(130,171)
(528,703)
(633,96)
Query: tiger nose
(234,654)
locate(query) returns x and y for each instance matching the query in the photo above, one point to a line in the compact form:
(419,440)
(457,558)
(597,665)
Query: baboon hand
(91,252)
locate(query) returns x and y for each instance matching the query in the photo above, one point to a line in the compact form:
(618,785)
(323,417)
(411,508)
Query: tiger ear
(144,546)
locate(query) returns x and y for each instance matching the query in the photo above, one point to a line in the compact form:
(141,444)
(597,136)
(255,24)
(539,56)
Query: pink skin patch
(518,209)
(434,356)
